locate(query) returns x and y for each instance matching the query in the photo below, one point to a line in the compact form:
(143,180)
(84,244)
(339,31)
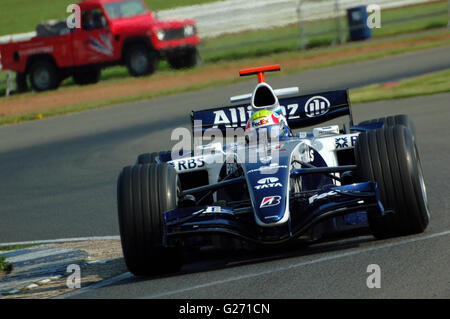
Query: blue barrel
(357,23)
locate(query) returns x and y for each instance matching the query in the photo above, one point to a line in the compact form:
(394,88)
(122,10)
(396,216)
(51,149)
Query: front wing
(330,202)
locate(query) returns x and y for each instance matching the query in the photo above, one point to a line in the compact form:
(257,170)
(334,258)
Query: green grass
(242,45)
(15,247)
(433,83)
(18,16)
(257,43)
(374,54)
(4,266)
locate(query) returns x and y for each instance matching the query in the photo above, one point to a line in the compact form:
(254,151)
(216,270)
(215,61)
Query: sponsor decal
(321,196)
(267,168)
(260,122)
(317,106)
(269,182)
(270,201)
(188,164)
(240,115)
(345,141)
(217,210)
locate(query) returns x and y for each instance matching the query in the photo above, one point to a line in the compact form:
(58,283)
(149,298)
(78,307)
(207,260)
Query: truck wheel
(187,59)
(141,60)
(389,156)
(44,75)
(400,119)
(84,76)
(144,192)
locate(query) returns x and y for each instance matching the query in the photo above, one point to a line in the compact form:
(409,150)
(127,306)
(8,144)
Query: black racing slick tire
(400,119)
(144,192)
(389,156)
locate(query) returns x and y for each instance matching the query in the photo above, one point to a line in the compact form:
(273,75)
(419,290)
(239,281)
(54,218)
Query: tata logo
(269,182)
(316,106)
(270,201)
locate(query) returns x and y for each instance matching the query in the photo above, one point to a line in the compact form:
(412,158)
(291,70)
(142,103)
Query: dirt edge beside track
(104,261)
(202,76)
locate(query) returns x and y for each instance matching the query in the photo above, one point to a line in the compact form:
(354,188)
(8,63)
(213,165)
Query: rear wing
(300,111)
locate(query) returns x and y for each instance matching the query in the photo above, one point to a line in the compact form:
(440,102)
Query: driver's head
(266,125)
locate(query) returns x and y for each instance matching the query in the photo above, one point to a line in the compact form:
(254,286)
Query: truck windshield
(125,9)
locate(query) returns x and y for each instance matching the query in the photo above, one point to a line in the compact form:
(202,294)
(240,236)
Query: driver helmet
(267,124)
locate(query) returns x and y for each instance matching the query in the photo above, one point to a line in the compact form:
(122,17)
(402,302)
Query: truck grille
(174,34)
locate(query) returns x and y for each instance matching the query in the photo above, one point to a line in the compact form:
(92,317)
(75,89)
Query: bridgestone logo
(316,106)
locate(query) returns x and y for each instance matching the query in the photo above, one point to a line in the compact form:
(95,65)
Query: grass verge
(321,33)
(320,58)
(17,16)
(5,267)
(14,247)
(432,83)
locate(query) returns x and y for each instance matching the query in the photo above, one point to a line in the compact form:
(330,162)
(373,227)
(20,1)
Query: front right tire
(144,192)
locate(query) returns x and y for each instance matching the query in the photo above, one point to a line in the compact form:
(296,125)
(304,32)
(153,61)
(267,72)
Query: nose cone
(264,98)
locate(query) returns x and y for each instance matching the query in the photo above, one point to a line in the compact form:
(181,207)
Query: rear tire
(389,157)
(44,76)
(144,192)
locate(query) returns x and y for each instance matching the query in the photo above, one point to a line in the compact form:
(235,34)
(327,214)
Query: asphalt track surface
(58,180)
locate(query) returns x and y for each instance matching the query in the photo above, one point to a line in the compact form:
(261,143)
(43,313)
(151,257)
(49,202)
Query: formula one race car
(269,186)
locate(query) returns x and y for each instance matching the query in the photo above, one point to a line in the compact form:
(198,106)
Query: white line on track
(128,275)
(310,262)
(61,240)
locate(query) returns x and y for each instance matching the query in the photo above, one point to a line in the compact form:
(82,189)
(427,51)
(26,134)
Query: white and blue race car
(304,186)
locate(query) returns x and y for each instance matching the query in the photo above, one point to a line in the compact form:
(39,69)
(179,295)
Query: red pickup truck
(112,32)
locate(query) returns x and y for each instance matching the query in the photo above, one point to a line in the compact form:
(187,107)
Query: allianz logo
(269,182)
(316,106)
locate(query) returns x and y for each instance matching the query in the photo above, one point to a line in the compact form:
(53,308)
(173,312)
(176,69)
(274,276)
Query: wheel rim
(42,78)
(139,62)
